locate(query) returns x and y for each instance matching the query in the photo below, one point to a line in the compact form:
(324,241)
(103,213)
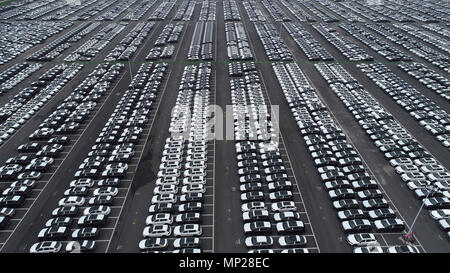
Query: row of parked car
(310,47)
(139,10)
(275,11)
(164,47)
(15,75)
(386,50)
(426,36)
(269,212)
(276,49)
(438,28)
(238,46)
(360,204)
(201,47)
(238,68)
(320,12)
(231,11)
(428,77)
(364,12)
(403,13)
(208,11)
(18,36)
(129,44)
(88,50)
(33,14)
(56,47)
(116,10)
(170,34)
(162,11)
(414,46)
(429,115)
(67,11)
(421,172)
(108,160)
(29,100)
(17,9)
(342,12)
(185,11)
(435,10)
(178,196)
(350,50)
(36,157)
(299,13)
(254,13)
(89,13)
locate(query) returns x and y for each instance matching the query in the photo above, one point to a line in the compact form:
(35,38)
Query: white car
(159,219)
(439,214)
(105,191)
(419,184)
(172,180)
(83,182)
(292,240)
(106,210)
(157,231)
(283,206)
(259,213)
(169,173)
(252,205)
(258,225)
(368,249)
(196,179)
(153,243)
(406,168)
(72,201)
(46,247)
(361,239)
(400,161)
(167,188)
(186,242)
(444,224)
(195,172)
(259,241)
(164,198)
(187,230)
(289,226)
(413,176)
(403,249)
(199,188)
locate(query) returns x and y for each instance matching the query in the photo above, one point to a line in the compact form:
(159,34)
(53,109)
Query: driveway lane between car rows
(228,219)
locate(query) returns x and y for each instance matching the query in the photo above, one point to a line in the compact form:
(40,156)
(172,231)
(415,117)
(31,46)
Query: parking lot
(105,136)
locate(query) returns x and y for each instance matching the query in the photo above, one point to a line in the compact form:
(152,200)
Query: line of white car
(176,212)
